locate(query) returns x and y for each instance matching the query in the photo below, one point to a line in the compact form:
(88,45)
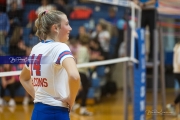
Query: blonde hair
(45,20)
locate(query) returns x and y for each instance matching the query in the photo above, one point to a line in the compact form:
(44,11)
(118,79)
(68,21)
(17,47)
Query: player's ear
(55,28)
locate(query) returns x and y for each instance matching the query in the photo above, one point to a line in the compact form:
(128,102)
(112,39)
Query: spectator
(103,36)
(96,52)
(20,4)
(33,39)
(44,6)
(176,70)
(112,16)
(67,8)
(17,46)
(61,6)
(15,16)
(121,27)
(10,83)
(149,13)
(4,27)
(82,34)
(83,57)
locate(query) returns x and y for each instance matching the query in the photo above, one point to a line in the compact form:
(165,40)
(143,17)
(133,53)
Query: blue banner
(13,59)
(140,77)
(23,59)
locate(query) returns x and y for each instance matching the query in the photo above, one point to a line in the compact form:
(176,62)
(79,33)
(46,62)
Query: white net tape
(105,62)
(124,3)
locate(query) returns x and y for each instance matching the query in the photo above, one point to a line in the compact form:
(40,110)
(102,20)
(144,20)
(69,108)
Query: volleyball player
(50,75)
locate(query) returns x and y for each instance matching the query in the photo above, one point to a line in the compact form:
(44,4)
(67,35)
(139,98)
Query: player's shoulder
(60,45)
(35,46)
(54,45)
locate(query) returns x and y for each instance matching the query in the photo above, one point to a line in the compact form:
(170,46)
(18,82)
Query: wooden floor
(109,108)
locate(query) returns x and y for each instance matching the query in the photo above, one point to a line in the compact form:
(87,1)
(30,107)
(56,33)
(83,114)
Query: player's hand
(69,102)
(80,88)
(70,107)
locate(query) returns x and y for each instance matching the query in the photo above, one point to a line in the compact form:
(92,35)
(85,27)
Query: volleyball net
(122,3)
(90,64)
(132,33)
(129,40)
(134,41)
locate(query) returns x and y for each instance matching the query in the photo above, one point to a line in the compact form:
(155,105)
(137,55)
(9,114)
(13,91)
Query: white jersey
(49,78)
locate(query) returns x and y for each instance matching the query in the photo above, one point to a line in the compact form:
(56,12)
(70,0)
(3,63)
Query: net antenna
(137,24)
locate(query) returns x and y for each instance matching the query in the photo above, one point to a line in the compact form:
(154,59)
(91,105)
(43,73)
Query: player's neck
(48,38)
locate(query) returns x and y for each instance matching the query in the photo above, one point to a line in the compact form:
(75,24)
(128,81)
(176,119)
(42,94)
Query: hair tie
(46,11)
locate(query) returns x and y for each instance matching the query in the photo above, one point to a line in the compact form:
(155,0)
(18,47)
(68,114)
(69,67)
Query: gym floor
(109,108)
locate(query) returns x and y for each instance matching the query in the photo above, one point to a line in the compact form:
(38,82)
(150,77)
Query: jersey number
(35,64)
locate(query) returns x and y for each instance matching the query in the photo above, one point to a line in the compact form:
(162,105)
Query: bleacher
(94,92)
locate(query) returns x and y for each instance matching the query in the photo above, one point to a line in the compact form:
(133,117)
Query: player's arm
(25,79)
(74,79)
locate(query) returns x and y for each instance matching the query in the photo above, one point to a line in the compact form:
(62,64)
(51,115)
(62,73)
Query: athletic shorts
(46,112)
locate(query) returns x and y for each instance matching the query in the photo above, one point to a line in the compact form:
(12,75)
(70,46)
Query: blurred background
(107,29)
